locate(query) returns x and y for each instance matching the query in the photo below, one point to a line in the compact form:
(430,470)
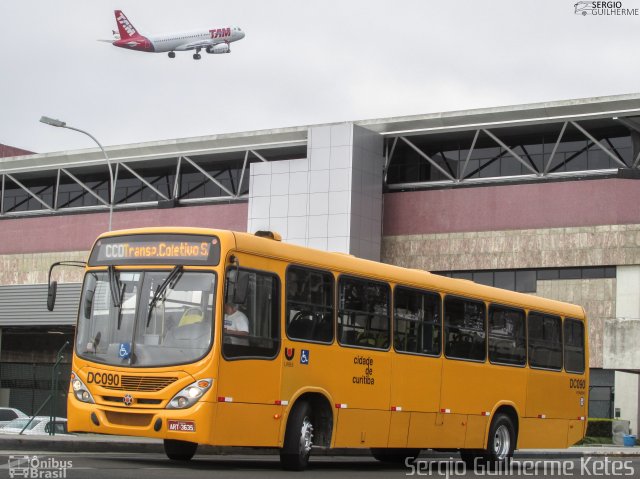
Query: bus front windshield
(146,318)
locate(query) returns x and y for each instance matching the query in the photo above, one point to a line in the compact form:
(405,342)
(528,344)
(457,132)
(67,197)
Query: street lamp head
(52,122)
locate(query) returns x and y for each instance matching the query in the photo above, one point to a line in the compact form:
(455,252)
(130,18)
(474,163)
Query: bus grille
(142,383)
(128,419)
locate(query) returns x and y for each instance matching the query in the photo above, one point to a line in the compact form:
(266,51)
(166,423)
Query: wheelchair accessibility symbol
(125,350)
(304,356)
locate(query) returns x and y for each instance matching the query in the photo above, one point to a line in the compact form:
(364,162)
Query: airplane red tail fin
(125,27)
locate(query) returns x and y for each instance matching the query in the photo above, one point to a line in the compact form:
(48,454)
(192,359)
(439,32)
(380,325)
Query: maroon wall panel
(509,207)
(78,232)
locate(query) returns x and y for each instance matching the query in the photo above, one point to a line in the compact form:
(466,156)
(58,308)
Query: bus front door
(249,370)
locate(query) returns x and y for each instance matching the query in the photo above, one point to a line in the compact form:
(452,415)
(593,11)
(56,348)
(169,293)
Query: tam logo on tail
(125,26)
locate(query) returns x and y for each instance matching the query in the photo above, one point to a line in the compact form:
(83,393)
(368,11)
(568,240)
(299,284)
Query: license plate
(182,426)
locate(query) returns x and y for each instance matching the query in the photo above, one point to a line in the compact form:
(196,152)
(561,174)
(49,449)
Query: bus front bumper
(192,424)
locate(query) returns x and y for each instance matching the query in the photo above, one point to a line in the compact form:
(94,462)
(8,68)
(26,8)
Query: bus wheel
(298,438)
(502,441)
(395,455)
(179,450)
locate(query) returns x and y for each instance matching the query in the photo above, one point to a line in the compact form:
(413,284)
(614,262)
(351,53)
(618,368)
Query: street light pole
(61,124)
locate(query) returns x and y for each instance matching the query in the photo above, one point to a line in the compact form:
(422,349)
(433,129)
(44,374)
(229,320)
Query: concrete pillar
(627,386)
(628,292)
(626,398)
(331,200)
(4,393)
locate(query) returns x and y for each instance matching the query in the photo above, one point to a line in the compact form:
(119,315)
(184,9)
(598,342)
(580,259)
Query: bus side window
(545,341)
(416,321)
(507,342)
(261,307)
(363,315)
(464,329)
(573,346)
(309,306)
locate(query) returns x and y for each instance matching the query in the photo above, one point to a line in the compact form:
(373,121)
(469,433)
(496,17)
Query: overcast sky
(302,62)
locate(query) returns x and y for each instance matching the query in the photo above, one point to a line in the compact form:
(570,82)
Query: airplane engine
(219,48)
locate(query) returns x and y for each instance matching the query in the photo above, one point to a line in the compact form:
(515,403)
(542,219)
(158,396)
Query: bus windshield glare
(161,318)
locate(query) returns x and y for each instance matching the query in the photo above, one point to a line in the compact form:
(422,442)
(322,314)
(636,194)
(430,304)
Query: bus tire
(179,450)
(298,438)
(501,442)
(469,457)
(395,455)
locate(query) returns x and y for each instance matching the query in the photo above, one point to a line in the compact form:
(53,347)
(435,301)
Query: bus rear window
(573,346)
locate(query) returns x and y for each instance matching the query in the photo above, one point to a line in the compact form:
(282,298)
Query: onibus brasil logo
(35,467)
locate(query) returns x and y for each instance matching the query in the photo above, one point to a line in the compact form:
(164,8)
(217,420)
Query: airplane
(215,40)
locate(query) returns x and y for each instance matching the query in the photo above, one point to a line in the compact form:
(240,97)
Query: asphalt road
(156,466)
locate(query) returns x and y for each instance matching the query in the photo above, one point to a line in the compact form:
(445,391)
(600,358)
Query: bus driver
(236,325)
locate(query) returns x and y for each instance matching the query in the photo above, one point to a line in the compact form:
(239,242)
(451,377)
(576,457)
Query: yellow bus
(200,336)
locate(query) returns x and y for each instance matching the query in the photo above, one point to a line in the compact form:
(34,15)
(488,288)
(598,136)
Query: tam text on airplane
(214,40)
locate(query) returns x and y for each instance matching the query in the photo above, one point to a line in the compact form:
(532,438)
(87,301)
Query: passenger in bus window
(236,325)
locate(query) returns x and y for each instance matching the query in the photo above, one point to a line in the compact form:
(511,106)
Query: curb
(119,444)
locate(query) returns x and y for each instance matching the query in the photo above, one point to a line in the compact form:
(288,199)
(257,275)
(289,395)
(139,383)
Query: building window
(533,144)
(416,321)
(464,329)
(524,280)
(309,304)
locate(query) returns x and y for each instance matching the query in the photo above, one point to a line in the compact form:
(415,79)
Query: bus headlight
(190,395)
(80,391)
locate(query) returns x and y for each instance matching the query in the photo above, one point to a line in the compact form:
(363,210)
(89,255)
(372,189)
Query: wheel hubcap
(501,442)
(306,436)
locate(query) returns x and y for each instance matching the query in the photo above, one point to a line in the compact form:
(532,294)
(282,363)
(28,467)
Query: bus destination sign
(156,249)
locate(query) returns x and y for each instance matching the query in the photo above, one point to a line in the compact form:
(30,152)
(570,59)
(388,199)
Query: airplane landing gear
(197,56)
(172,54)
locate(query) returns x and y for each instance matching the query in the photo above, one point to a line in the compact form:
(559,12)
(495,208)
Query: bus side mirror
(53,285)
(51,295)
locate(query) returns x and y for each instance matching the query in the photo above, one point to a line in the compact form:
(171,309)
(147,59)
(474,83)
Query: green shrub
(599,428)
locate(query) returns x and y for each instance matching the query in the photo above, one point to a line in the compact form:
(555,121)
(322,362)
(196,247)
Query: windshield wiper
(114,285)
(116,292)
(169,281)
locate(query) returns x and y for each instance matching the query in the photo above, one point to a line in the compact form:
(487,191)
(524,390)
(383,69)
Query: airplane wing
(199,44)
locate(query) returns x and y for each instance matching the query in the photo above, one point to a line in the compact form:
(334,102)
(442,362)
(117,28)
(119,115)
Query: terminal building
(539,198)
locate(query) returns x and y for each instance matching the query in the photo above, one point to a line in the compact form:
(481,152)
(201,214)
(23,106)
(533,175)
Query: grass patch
(600,428)
(592,440)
